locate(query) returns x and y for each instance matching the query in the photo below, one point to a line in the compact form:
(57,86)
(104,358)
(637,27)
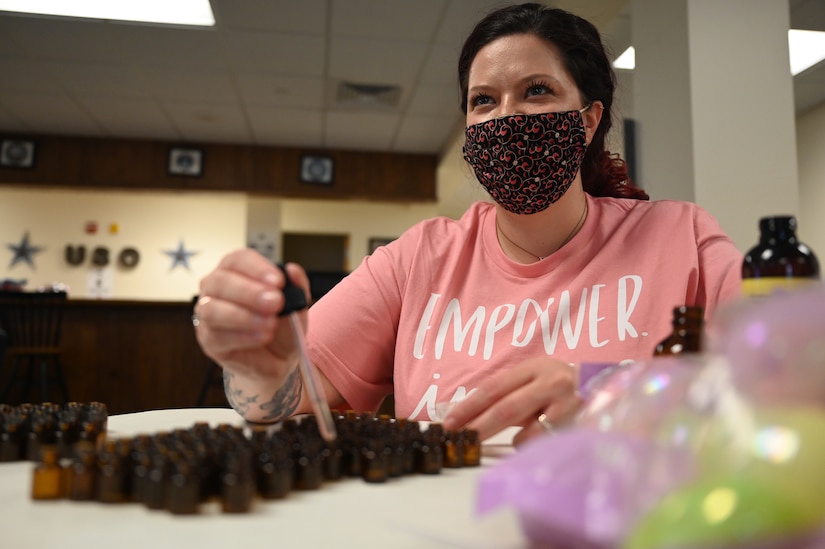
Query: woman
(570,264)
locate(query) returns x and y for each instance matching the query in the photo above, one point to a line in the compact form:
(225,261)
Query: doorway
(323,256)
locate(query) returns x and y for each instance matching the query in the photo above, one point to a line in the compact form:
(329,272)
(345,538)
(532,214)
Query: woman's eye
(481,100)
(536,90)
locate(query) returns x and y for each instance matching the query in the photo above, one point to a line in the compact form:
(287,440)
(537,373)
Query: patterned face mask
(527,161)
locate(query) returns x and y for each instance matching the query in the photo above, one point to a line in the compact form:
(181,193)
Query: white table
(417,511)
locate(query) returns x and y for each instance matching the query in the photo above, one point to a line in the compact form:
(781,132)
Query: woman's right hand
(239,328)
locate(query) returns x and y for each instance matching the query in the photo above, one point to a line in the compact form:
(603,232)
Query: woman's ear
(591,118)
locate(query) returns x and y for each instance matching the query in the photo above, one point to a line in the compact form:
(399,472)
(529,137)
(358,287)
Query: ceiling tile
(10,123)
(807,96)
(209,121)
(814,75)
(172,46)
(435,100)
(281,92)
(360,131)
(441,66)
(306,16)
(65,39)
(135,118)
(286,127)
(600,12)
(27,76)
(807,15)
(81,78)
(286,54)
(267,70)
(376,61)
(9,45)
(391,20)
(192,85)
(50,113)
(425,134)
(460,18)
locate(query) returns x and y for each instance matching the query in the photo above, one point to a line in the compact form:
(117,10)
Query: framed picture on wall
(17,153)
(376,242)
(187,162)
(317,169)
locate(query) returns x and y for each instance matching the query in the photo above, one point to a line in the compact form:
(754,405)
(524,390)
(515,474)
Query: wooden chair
(32,322)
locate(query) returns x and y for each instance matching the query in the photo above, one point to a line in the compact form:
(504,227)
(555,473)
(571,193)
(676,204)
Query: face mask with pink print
(527,161)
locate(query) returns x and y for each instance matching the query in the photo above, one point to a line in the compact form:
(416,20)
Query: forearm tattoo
(282,404)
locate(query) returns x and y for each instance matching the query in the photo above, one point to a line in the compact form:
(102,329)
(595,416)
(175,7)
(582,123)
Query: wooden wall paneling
(82,162)
(64,168)
(407,177)
(122,164)
(133,356)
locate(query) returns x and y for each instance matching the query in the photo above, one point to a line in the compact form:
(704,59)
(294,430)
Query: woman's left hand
(540,386)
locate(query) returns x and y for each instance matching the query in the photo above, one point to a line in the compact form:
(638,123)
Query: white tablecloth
(418,511)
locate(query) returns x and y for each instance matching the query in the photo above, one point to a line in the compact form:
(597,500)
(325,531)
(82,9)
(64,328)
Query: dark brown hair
(603,173)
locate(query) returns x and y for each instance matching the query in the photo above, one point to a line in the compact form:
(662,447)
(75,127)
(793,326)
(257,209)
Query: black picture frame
(17,153)
(185,161)
(317,169)
(376,242)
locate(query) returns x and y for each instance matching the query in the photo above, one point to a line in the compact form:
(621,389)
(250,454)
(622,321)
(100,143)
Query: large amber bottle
(687,334)
(780,261)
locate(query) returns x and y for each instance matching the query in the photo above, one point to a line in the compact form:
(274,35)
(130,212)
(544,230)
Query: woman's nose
(509,106)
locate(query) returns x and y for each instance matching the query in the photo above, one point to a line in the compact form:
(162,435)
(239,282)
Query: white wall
(457,186)
(810,142)
(152,222)
(360,219)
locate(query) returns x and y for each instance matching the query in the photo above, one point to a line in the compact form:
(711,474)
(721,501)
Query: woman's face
(522,74)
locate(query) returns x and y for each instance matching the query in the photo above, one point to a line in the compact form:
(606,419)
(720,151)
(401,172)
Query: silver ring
(545,423)
(196,318)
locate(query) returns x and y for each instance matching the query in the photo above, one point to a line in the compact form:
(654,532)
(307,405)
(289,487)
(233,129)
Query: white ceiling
(267,73)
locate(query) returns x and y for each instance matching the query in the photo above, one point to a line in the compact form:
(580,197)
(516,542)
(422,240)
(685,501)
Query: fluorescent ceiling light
(171,12)
(806,49)
(627,60)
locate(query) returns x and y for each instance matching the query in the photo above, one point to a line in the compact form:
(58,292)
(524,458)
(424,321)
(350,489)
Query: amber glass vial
(81,474)
(687,334)
(47,479)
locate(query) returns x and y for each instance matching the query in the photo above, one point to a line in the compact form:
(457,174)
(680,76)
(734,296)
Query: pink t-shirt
(438,310)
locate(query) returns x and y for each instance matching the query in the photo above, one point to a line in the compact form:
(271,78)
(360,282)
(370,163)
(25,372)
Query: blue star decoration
(24,252)
(180,256)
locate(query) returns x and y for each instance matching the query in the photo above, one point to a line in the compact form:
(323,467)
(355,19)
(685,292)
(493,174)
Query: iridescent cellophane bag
(723,449)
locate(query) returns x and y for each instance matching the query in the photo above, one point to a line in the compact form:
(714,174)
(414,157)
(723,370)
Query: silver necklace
(566,240)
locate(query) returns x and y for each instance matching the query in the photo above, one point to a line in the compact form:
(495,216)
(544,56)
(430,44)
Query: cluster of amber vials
(178,470)
(26,428)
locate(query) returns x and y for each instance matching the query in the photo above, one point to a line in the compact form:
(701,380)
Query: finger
(532,431)
(569,412)
(298,276)
(487,393)
(247,282)
(558,416)
(520,407)
(221,322)
(250,263)
(513,397)
(219,314)
(228,288)
(220,344)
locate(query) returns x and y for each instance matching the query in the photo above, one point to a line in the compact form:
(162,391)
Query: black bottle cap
(777,223)
(294,297)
